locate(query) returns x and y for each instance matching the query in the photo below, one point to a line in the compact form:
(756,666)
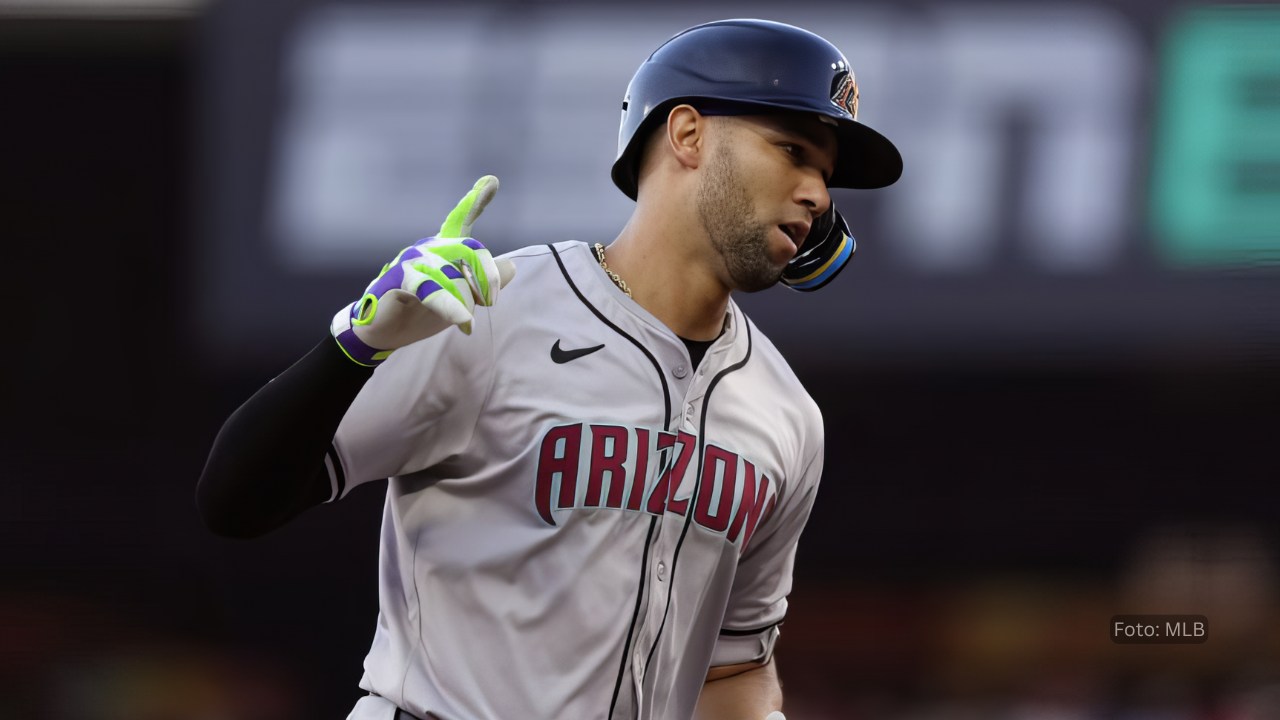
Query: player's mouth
(796,232)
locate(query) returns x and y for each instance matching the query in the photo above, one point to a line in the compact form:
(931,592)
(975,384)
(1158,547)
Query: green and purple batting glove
(432,284)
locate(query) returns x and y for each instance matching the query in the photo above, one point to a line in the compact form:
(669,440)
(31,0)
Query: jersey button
(662,570)
(680,371)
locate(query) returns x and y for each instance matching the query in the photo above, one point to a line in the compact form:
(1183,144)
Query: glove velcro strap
(352,346)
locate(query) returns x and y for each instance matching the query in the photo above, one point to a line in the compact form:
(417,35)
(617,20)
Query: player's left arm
(743,681)
(746,690)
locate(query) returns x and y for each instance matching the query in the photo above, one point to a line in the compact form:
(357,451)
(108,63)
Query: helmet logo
(845,92)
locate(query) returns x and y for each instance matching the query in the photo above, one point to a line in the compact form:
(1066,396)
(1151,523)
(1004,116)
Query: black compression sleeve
(267,462)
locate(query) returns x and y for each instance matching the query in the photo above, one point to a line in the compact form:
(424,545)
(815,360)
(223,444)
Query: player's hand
(430,285)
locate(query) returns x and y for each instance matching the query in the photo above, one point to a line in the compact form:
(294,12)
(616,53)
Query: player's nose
(812,192)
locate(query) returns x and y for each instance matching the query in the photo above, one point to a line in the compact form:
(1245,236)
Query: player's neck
(670,277)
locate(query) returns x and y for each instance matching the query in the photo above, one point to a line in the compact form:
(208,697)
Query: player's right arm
(273,457)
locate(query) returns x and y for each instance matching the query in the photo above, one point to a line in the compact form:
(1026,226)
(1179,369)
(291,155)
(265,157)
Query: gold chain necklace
(622,284)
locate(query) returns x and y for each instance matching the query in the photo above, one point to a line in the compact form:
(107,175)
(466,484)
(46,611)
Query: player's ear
(686,135)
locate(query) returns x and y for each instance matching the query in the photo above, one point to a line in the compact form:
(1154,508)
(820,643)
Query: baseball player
(597,481)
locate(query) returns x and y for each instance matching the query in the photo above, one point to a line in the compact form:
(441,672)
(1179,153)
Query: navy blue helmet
(749,66)
(761,66)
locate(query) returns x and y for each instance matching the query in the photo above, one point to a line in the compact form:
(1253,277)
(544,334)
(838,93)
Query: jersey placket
(688,387)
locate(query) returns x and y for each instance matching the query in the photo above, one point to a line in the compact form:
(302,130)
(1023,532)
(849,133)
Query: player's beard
(725,208)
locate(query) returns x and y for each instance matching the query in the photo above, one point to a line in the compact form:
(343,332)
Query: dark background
(980,521)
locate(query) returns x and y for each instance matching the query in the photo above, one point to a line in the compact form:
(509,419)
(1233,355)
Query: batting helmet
(756,64)
(750,66)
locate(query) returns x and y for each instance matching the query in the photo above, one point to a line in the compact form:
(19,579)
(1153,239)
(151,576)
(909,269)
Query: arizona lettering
(653,471)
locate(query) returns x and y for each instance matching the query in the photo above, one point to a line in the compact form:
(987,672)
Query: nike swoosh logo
(561,357)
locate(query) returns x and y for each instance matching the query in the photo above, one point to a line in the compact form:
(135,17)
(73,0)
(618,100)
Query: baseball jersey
(578,523)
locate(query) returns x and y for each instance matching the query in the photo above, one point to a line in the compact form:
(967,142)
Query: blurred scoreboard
(1083,183)
(1216,179)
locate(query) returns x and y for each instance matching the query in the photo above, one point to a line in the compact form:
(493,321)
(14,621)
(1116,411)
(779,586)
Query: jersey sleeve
(758,600)
(419,408)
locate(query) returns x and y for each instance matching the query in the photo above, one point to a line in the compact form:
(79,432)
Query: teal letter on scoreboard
(1215,193)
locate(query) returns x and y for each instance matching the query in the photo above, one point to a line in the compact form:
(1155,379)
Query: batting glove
(430,285)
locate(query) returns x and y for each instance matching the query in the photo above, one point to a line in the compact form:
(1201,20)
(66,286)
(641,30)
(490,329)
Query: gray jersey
(578,523)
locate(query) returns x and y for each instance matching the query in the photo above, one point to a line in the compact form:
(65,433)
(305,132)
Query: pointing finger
(463,216)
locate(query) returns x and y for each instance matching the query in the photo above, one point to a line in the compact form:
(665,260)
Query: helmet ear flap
(826,251)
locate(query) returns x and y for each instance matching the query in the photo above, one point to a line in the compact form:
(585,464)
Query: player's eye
(794,151)
(797,153)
